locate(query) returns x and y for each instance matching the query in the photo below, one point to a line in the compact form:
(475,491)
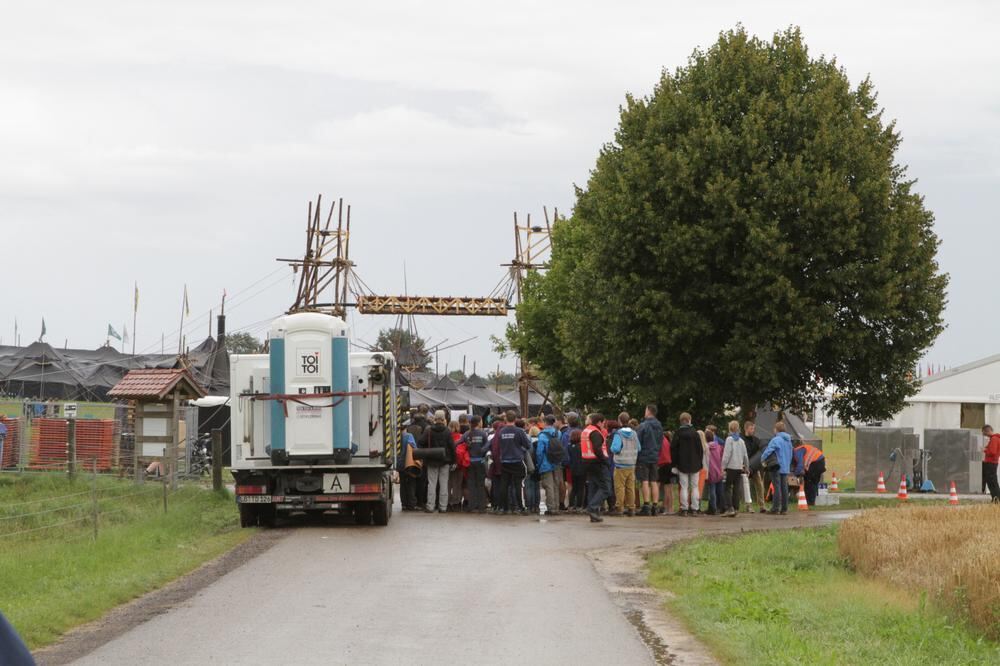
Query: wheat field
(951,553)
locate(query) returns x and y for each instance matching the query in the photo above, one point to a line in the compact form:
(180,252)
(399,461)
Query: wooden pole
(173,431)
(71,448)
(217,459)
(137,444)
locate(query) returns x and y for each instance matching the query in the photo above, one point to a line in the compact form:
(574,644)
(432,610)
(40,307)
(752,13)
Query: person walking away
(559,469)
(647,473)
(991,458)
(688,455)
(610,428)
(477,444)
(408,479)
(757,470)
(594,453)
(578,471)
(456,477)
(532,479)
(777,455)
(572,425)
(549,446)
(716,481)
(666,476)
(514,445)
(736,463)
(810,464)
(625,447)
(495,469)
(418,428)
(439,436)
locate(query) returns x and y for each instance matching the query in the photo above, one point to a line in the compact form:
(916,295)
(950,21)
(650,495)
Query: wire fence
(106,503)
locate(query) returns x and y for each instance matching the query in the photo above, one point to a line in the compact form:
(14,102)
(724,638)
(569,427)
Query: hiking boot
(630,513)
(594,517)
(426,510)
(646,510)
(616,513)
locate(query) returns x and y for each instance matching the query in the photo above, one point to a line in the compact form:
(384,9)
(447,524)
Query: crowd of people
(598,466)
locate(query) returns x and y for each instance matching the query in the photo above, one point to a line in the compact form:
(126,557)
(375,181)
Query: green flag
(112,333)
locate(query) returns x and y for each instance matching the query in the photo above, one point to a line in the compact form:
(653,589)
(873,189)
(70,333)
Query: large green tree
(747,237)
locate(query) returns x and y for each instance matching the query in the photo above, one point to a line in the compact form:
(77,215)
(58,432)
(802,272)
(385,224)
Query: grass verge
(54,575)
(787,597)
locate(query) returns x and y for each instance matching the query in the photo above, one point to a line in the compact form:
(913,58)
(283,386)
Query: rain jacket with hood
(625,445)
(781,444)
(542,450)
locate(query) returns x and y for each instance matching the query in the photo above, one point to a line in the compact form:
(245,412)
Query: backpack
(556,452)
(462,458)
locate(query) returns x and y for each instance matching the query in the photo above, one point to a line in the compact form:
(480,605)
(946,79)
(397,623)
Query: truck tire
(363,514)
(382,511)
(248,515)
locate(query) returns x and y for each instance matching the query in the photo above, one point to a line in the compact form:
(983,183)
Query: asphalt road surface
(428,589)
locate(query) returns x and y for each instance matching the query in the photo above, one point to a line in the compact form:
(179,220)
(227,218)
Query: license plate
(254,499)
(336,483)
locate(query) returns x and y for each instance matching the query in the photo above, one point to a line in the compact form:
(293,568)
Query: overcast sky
(180,142)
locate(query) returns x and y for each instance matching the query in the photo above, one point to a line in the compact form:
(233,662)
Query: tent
(477,387)
(794,426)
(445,391)
(39,370)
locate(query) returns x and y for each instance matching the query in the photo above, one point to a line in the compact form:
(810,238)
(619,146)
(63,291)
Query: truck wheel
(363,514)
(382,511)
(248,515)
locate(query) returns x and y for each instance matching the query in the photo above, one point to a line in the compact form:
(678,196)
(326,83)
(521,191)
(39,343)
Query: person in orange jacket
(991,456)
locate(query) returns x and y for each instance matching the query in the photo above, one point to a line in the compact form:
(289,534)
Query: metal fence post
(93,497)
(71,448)
(217,459)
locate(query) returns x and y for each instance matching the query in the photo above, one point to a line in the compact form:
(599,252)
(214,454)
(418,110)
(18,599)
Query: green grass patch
(848,503)
(786,597)
(54,575)
(838,447)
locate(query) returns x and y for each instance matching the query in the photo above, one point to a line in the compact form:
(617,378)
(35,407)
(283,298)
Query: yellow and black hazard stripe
(387,438)
(397,426)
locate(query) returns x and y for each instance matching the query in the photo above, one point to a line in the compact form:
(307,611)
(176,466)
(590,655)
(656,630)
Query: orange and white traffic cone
(953,495)
(902,495)
(803,504)
(880,488)
(834,488)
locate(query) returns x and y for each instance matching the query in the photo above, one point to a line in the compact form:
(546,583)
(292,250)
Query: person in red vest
(991,456)
(594,453)
(809,463)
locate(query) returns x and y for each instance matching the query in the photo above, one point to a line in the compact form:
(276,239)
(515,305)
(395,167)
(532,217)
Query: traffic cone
(834,488)
(880,488)
(902,495)
(953,496)
(803,504)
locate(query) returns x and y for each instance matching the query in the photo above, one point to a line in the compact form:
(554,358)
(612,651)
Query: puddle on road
(657,647)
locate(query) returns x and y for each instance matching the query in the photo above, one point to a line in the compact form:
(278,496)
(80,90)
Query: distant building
(964,397)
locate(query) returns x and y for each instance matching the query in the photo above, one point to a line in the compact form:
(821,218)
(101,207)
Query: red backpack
(664,453)
(462,459)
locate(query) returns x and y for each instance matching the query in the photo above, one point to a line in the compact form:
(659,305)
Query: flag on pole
(112,333)
(187,306)
(43,330)
(135,307)
(124,334)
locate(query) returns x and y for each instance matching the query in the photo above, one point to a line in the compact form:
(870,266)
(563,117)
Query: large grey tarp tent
(794,426)
(445,391)
(477,387)
(41,371)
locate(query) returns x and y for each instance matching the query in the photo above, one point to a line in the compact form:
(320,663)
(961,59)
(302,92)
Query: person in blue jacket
(780,447)
(546,470)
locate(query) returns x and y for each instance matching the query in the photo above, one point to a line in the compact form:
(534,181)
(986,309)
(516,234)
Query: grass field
(838,447)
(949,553)
(788,597)
(54,575)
